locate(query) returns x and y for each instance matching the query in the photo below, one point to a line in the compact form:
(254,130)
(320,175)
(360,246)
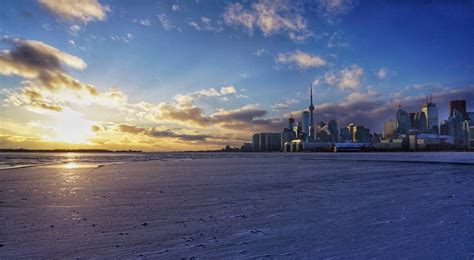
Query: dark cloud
(242,115)
(192,115)
(152,132)
(29,58)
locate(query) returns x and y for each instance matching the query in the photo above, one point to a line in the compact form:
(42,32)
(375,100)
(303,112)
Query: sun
(71,127)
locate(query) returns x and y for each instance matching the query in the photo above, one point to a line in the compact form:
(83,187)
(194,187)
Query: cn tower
(311,107)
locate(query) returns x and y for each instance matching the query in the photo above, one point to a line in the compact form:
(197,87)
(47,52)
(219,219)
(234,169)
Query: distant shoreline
(66,151)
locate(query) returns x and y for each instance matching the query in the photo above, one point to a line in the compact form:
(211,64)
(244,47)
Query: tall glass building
(431,112)
(306,123)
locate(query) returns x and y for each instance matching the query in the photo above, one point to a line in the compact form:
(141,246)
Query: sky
(196,75)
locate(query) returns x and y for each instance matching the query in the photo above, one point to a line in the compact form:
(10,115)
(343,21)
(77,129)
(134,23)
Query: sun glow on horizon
(71,127)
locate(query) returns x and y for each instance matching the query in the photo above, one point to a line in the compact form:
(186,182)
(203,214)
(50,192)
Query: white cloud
(301,59)
(195,25)
(381,73)
(236,15)
(125,39)
(145,22)
(271,17)
(176,8)
(75,28)
(284,105)
(347,78)
(261,52)
(206,24)
(165,22)
(332,10)
(78,10)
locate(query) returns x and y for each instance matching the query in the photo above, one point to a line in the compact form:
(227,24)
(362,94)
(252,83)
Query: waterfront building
(263,142)
(256,143)
(403,122)
(332,126)
(470,135)
(361,134)
(420,121)
(389,129)
(288,134)
(444,127)
(431,112)
(345,135)
(412,120)
(460,106)
(306,123)
(456,126)
(246,147)
(273,142)
(470,116)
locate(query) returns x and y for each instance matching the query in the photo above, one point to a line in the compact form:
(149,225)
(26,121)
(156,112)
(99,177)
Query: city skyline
(177,75)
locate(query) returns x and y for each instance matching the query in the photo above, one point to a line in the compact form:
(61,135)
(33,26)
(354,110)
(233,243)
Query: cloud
(157,133)
(165,22)
(75,28)
(125,38)
(261,52)
(381,73)
(175,8)
(145,22)
(206,24)
(331,10)
(189,114)
(195,25)
(338,40)
(284,105)
(235,14)
(77,11)
(301,59)
(28,58)
(347,78)
(46,85)
(271,17)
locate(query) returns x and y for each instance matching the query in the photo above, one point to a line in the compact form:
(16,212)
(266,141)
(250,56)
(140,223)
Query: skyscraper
(431,112)
(459,105)
(306,123)
(420,121)
(256,143)
(403,121)
(456,126)
(389,129)
(332,126)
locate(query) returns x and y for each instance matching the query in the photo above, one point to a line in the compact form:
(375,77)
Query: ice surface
(270,205)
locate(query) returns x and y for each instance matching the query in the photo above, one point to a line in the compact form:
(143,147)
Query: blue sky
(363,58)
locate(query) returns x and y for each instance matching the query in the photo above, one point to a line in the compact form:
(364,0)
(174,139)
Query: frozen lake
(359,205)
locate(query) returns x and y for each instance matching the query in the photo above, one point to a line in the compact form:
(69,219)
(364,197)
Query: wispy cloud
(206,24)
(382,73)
(284,105)
(145,22)
(331,11)
(165,22)
(261,52)
(270,17)
(300,59)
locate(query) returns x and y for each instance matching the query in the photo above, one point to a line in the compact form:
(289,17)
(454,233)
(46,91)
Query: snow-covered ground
(296,206)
